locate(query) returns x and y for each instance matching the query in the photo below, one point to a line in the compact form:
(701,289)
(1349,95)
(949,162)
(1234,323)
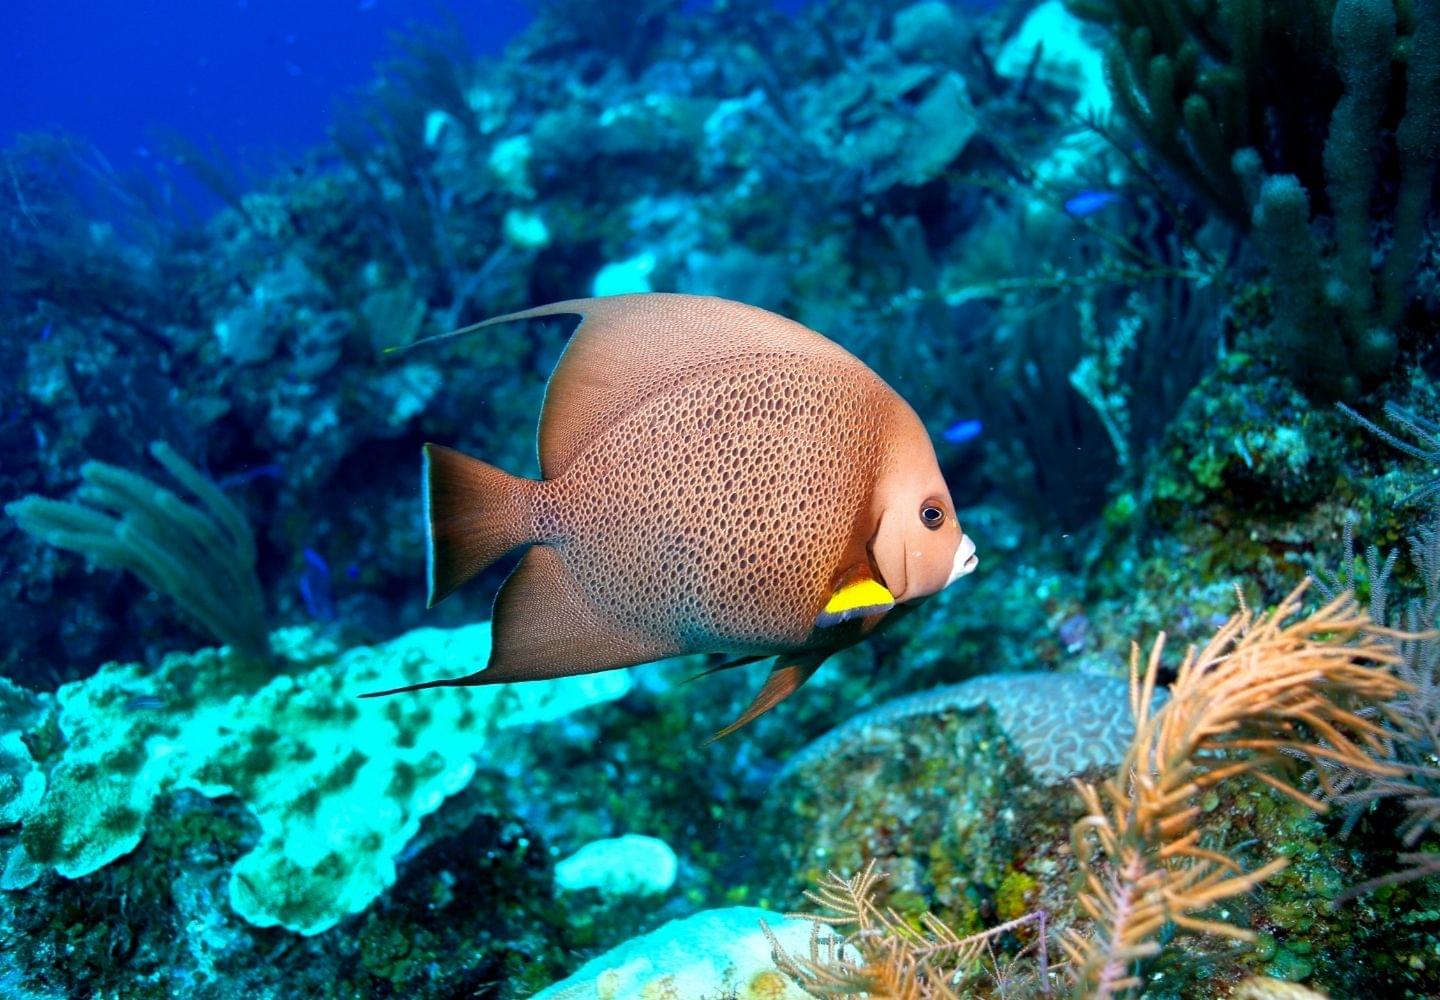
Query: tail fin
(474,514)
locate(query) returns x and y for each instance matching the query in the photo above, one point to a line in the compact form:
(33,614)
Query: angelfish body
(715,479)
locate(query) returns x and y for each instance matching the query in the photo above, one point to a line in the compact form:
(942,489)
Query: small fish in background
(315,587)
(716,479)
(144,703)
(45,333)
(962,431)
(248,476)
(1089,202)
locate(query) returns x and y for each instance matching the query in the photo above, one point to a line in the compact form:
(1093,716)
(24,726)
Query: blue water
(259,78)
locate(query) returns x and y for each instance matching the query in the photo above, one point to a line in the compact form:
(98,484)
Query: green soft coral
(339,785)
(1274,110)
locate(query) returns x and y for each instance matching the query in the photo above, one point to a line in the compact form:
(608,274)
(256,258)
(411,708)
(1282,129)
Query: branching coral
(1423,443)
(201,555)
(1263,691)
(1411,719)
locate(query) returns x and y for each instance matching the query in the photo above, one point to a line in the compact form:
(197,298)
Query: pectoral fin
(856,599)
(781,684)
(726,665)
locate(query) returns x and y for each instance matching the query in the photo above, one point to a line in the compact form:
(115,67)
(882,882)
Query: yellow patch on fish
(856,600)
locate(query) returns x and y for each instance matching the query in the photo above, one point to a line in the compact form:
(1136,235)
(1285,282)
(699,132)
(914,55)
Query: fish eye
(932,515)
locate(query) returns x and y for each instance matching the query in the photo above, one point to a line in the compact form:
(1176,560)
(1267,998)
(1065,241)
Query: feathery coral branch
(883,956)
(1262,692)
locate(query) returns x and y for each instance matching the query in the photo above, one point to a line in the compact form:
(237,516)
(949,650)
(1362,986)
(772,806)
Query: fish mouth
(965,560)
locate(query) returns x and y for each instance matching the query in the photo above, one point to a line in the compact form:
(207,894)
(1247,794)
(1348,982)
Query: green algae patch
(1014,897)
(338,784)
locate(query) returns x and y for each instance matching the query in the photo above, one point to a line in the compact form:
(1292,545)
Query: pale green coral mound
(620,866)
(713,955)
(339,784)
(22,783)
(1065,56)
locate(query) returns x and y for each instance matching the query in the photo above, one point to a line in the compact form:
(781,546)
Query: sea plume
(1265,691)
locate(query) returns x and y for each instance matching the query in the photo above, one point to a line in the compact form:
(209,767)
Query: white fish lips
(965,560)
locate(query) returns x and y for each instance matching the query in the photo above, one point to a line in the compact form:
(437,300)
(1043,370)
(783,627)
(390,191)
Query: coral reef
(1263,693)
(713,955)
(1127,382)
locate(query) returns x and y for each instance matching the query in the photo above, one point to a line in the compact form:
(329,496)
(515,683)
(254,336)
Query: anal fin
(544,626)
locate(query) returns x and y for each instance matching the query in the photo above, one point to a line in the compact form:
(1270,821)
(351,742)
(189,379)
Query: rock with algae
(338,784)
(927,785)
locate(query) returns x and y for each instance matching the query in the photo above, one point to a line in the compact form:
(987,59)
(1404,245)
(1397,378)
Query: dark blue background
(257,77)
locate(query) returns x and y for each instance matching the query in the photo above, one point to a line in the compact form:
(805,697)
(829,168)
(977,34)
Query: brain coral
(1060,724)
(338,784)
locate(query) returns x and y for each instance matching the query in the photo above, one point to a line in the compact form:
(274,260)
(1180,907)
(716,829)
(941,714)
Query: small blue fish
(315,589)
(248,476)
(962,431)
(45,333)
(1089,202)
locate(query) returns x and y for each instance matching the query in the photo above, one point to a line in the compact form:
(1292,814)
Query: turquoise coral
(22,783)
(338,784)
(713,955)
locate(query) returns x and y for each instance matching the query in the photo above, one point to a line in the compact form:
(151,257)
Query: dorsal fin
(628,348)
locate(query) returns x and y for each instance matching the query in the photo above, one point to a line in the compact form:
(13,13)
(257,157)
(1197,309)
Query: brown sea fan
(1264,691)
